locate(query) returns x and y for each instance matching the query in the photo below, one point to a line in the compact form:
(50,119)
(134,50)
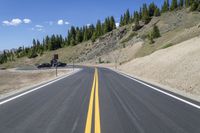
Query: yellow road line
(94,94)
(97,112)
(90,109)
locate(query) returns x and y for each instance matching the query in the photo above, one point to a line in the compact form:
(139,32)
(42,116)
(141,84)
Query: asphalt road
(98,101)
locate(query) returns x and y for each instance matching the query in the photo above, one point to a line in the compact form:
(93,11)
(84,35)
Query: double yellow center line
(94,95)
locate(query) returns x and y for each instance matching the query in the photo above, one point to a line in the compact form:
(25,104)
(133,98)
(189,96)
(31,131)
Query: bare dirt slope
(177,67)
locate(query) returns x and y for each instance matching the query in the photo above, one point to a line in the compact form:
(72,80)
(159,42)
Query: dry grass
(14,80)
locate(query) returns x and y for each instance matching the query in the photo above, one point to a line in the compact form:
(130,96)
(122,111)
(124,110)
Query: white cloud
(88,25)
(39,26)
(60,22)
(117,25)
(40,29)
(67,23)
(6,22)
(13,22)
(26,21)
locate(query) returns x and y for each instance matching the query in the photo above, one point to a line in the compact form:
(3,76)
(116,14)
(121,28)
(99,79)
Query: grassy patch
(146,49)
(167,46)
(129,37)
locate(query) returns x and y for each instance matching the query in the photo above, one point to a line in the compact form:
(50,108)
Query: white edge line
(156,89)
(37,88)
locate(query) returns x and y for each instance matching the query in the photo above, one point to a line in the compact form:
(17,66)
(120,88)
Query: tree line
(77,35)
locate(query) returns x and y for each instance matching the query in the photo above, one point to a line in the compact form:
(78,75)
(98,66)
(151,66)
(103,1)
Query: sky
(23,20)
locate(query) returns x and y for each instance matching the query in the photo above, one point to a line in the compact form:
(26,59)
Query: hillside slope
(177,67)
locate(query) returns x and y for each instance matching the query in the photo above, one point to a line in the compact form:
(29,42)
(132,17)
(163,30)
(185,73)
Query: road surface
(98,101)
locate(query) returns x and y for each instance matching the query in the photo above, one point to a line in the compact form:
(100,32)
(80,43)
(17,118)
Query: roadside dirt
(16,80)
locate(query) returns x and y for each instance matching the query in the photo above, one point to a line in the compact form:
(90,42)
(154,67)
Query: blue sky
(23,20)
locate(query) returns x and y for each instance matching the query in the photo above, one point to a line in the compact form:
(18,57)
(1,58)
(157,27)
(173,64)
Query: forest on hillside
(77,35)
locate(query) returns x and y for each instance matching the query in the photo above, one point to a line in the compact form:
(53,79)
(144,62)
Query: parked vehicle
(44,65)
(60,64)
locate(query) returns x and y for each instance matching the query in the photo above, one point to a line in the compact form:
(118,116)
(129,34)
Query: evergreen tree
(152,8)
(187,3)
(72,36)
(165,6)
(174,5)
(85,33)
(34,43)
(194,5)
(145,14)
(98,31)
(79,35)
(106,25)
(157,12)
(191,2)
(121,21)
(155,32)
(127,17)
(181,3)
(198,9)
(136,21)
(112,23)
(150,37)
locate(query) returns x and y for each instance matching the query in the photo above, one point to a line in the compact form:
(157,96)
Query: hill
(177,68)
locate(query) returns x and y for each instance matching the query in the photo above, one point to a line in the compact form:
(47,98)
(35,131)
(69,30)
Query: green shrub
(129,37)
(167,46)
(156,32)
(150,37)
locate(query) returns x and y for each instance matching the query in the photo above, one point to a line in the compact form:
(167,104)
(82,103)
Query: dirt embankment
(176,67)
(12,81)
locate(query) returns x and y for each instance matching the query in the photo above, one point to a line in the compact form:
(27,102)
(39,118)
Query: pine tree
(127,17)
(187,3)
(145,14)
(198,9)
(152,8)
(157,12)
(165,6)
(85,33)
(106,25)
(112,23)
(150,37)
(140,14)
(194,6)
(121,21)
(174,5)
(98,31)
(136,21)
(72,36)
(155,32)
(79,35)
(34,43)
(181,3)
(191,2)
